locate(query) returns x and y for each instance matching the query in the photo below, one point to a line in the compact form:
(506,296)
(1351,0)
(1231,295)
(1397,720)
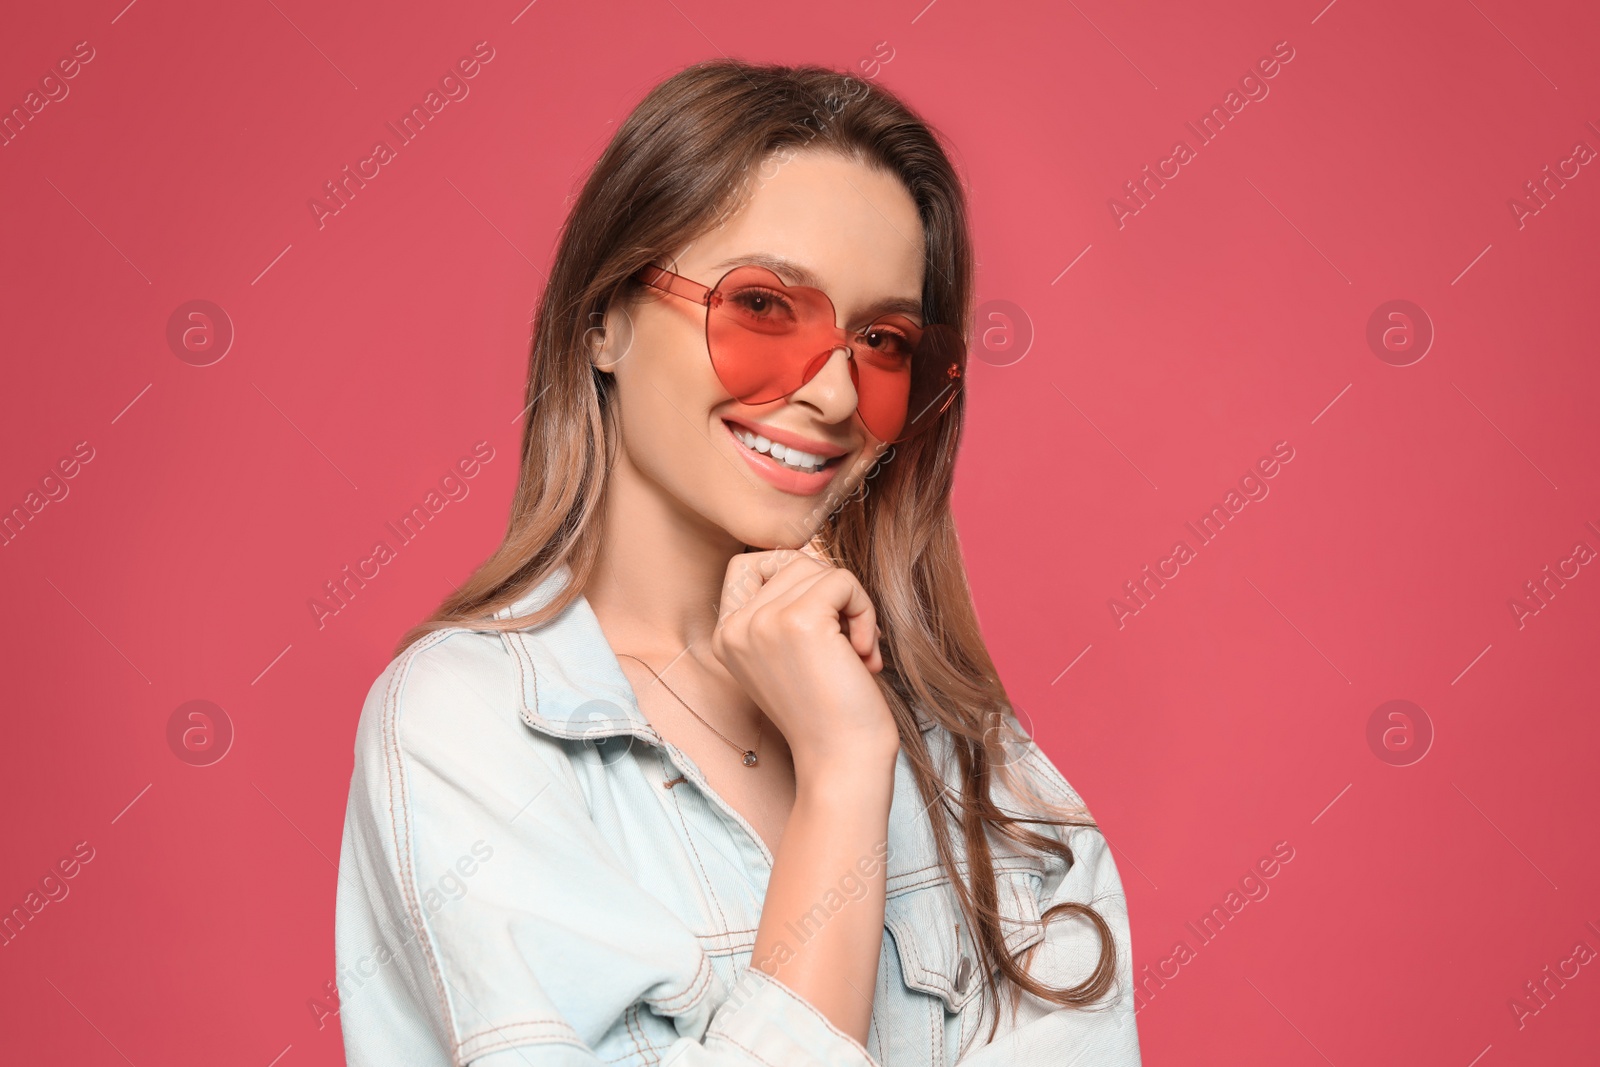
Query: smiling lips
(791,463)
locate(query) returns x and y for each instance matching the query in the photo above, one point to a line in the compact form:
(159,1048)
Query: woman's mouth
(788,469)
(792,458)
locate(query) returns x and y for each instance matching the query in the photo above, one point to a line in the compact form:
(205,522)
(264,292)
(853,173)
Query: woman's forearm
(821,927)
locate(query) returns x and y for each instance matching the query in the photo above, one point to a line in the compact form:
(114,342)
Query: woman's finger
(846,600)
(762,575)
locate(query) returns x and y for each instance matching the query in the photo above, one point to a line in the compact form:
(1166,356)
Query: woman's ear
(610,338)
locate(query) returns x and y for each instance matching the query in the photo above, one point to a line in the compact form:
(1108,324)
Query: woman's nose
(832,390)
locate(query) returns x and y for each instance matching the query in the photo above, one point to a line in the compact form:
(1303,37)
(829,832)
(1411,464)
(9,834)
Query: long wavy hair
(682,162)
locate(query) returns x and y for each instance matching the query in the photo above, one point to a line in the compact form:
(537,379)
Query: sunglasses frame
(677,285)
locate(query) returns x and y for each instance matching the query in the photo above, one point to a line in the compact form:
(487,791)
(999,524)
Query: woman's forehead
(833,221)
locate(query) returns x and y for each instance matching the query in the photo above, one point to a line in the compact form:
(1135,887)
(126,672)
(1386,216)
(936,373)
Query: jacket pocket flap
(937,960)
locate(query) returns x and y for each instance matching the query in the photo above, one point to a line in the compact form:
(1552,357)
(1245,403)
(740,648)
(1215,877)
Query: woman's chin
(792,532)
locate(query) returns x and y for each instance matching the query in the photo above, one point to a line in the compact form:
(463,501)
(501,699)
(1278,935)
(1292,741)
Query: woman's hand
(801,636)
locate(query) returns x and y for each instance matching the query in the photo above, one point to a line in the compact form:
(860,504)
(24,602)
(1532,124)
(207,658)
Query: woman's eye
(761,303)
(887,341)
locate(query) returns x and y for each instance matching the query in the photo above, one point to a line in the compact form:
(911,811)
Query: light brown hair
(681,163)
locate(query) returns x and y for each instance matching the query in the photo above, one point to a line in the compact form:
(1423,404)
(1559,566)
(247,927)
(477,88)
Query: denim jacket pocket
(939,959)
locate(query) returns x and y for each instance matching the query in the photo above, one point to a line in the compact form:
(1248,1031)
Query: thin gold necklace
(749,754)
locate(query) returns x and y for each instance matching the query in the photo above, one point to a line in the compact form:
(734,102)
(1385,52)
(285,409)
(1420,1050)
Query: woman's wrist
(858,767)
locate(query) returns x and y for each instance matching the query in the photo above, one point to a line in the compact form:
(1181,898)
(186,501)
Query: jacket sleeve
(1044,1033)
(483,919)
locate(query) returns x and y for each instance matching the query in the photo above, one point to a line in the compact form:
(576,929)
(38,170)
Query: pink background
(1230,313)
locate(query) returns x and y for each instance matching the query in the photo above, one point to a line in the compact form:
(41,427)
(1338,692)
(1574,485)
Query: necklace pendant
(749,759)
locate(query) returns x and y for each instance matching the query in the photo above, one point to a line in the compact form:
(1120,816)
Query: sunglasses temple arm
(676,284)
(938,405)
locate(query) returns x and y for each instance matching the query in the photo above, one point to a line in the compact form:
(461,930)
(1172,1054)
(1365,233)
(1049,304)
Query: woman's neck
(657,582)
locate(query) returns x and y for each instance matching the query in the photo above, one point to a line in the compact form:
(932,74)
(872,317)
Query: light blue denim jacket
(519,885)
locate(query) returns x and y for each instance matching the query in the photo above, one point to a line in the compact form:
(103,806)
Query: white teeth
(789,457)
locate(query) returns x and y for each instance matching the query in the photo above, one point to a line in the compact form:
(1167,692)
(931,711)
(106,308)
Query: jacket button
(963,973)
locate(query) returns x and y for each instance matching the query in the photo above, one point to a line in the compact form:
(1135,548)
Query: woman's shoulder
(1022,776)
(446,674)
(1025,784)
(464,670)
(1029,781)
(455,697)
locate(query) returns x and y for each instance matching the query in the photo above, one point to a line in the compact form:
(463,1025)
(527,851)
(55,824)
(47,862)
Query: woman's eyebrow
(798,274)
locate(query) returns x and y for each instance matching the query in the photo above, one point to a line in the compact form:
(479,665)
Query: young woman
(717,714)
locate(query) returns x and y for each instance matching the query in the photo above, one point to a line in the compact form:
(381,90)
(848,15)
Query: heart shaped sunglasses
(767,338)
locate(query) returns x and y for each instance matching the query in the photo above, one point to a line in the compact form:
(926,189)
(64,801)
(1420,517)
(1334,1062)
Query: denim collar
(573,686)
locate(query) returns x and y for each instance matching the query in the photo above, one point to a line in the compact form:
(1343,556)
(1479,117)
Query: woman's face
(816,219)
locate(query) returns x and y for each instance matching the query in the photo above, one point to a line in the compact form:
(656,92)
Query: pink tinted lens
(767,339)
